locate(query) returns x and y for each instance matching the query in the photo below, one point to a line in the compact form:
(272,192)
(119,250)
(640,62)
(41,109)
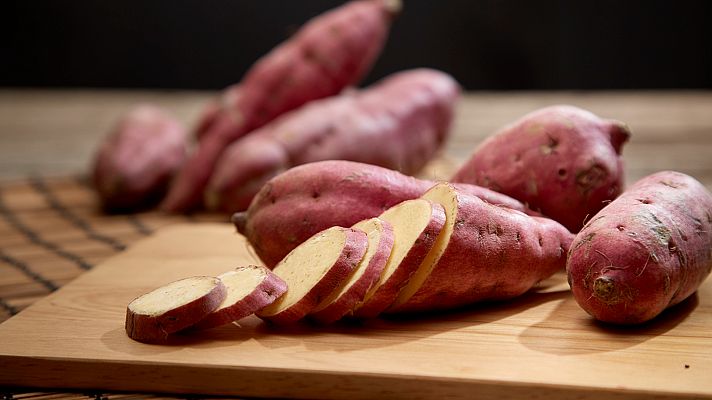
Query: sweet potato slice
(447,198)
(250,288)
(314,270)
(173,307)
(416,224)
(365,275)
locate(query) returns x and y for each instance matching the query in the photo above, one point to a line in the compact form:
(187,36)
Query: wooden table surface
(54,132)
(51,230)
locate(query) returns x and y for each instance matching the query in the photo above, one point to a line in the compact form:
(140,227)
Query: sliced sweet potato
(365,275)
(250,288)
(314,270)
(173,307)
(447,198)
(486,252)
(416,224)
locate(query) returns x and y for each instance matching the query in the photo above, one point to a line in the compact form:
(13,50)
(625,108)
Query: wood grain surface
(52,231)
(541,345)
(55,132)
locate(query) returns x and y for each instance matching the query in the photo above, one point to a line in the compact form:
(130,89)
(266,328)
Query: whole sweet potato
(214,108)
(484,252)
(330,52)
(560,160)
(134,164)
(649,249)
(309,198)
(399,124)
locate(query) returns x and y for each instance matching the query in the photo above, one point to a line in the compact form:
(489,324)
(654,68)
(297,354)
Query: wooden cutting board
(539,346)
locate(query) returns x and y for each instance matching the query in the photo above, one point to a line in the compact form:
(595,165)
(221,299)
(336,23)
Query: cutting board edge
(275,382)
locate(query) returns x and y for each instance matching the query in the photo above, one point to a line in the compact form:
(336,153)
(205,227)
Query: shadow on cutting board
(391,330)
(547,319)
(381,332)
(569,330)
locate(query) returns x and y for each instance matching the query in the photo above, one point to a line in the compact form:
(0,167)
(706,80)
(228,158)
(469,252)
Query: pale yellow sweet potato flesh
(172,296)
(305,266)
(240,282)
(408,219)
(444,195)
(374,230)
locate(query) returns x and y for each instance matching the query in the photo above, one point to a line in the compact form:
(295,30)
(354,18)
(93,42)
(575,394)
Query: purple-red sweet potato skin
(399,123)
(264,294)
(494,253)
(560,160)
(136,161)
(154,329)
(649,249)
(309,198)
(330,52)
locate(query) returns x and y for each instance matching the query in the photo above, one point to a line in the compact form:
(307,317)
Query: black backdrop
(485,44)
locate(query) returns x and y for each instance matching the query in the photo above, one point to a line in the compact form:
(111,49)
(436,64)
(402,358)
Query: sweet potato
(314,270)
(213,108)
(649,249)
(366,274)
(399,124)
(329,53)
(249,288)
(484,252)
(309,198)
(416,224)
(135,163)
(560,160)
(173,307)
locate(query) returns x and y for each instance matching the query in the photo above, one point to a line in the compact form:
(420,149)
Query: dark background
(487,44)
